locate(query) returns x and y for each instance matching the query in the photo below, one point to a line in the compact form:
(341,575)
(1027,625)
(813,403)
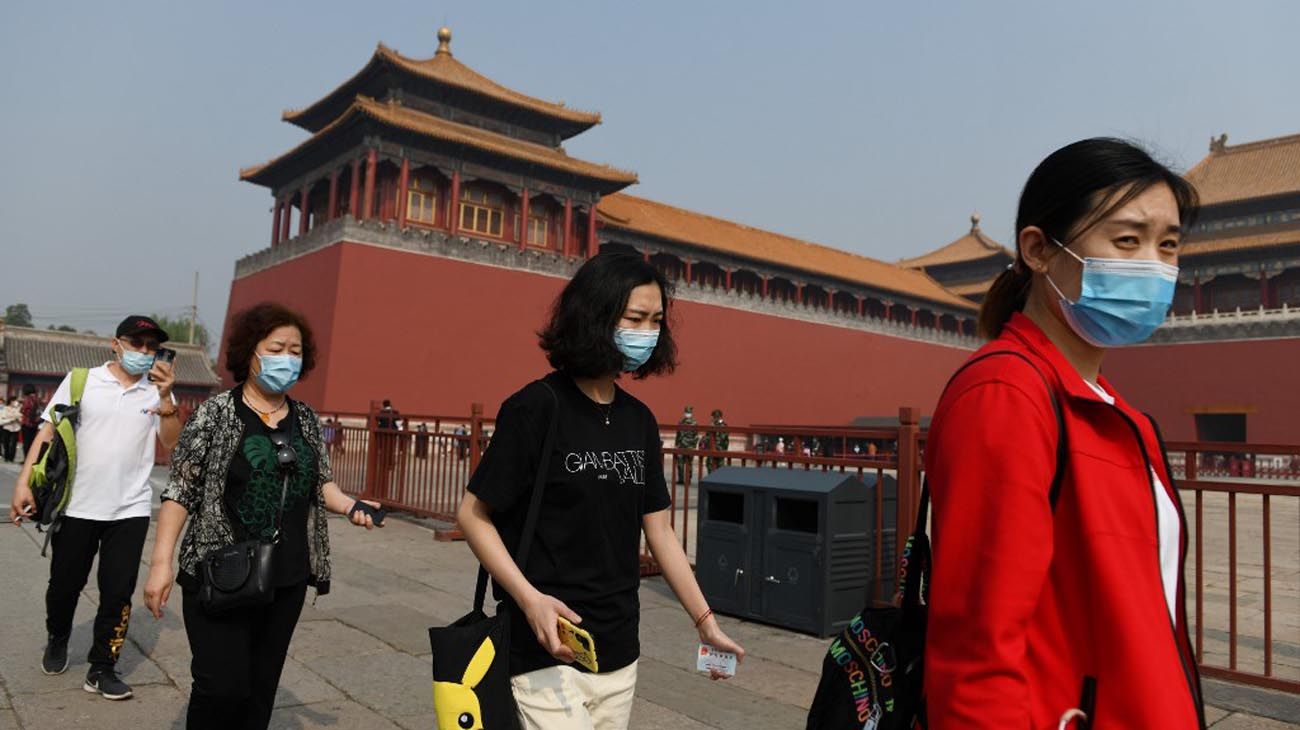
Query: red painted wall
(1171,381)
(435,335)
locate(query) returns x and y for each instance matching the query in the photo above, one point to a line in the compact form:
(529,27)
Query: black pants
(237,659)
(119,544)
(8,444)
(29,435)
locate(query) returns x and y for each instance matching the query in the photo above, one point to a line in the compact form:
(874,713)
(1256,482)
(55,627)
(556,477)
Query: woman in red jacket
(1063,606)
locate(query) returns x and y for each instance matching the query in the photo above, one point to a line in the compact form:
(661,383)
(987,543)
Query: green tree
(178,329)
(18,315)
(63,328)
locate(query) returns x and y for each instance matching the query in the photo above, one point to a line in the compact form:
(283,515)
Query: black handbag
(471,657)
(873,673)
(242,575)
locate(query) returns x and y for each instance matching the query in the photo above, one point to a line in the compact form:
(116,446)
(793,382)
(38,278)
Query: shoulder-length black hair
(1072,190)
(579,339)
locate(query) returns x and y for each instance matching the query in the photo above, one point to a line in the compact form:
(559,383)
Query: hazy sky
(874,127)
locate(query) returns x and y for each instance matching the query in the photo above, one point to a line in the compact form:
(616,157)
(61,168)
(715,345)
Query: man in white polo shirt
(122,413)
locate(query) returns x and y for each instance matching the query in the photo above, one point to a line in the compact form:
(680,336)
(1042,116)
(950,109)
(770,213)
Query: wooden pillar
(368,196)
(1196,293)
(764,288)
(332,211)
(889,310)
(647,255)
(726,281)
(567,233)
(688,271)
(403,194)
(287,206)
(798,293)
(914,312)
(454,207)
(354,190)
(524,227)
(304,219)
(275,223)
(862,304)
(1263,288)
(593,245)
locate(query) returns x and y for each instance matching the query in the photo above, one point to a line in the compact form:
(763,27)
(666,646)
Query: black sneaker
(55,660)
(104,680)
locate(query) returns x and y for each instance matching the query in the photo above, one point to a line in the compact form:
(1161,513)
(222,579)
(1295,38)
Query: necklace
(264,415)
(604,409)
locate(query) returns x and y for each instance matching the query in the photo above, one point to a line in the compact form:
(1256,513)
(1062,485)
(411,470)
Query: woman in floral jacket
(227,482)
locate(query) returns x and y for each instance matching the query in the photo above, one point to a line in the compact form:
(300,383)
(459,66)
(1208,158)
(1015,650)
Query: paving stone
(337,715)
(154,707)
(717,704)
(1251,722)
(392,684)
(299,685)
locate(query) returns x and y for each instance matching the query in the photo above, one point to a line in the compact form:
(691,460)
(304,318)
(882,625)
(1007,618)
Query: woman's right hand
(542,611)
(158,587)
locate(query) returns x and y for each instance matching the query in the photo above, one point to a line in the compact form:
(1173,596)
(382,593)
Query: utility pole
(194,307)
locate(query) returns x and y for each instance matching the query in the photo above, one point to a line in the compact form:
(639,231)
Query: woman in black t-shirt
(226,482)
(604,485)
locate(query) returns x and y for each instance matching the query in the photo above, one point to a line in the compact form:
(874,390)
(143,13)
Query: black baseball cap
(138,324)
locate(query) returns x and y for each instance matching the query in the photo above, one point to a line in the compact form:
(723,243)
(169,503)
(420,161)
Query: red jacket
(1026,603)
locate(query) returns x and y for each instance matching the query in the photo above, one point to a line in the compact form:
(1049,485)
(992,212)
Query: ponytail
(1005,297)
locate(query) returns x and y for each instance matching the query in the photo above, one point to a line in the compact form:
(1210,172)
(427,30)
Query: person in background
(30,417)
(721,440)
(11,416)
(687,439)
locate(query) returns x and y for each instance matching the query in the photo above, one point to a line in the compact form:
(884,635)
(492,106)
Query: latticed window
(421,200)
(539,227)
(481,211)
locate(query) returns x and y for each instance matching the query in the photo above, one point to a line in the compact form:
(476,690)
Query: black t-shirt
(253,487)
(600,480)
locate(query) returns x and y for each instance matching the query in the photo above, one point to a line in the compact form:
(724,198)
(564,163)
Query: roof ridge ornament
(1220,143)
(974,222)
(444,41)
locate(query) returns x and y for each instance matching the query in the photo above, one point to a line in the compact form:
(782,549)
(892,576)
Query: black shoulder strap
(534,504)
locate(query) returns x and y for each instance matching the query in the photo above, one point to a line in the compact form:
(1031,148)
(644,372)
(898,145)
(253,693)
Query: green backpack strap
(78,384)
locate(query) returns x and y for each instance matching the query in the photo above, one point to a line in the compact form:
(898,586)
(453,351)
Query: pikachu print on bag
(454,703)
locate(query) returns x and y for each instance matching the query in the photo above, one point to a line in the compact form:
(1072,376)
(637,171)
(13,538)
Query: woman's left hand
(361,519)
(711,633)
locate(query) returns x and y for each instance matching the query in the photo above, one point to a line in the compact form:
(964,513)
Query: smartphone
(166,355)
(583,646)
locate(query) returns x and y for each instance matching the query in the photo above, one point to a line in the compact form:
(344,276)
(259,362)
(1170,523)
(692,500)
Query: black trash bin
(790,547)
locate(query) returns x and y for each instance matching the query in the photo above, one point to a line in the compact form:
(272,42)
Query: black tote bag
(471,657)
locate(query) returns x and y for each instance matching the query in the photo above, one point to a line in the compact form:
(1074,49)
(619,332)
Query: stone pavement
(360,657)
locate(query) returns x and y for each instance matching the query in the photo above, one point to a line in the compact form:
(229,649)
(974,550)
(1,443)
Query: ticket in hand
(710,659)
(583,646)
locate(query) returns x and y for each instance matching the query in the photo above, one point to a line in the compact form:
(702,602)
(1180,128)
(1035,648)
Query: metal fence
(1243,504)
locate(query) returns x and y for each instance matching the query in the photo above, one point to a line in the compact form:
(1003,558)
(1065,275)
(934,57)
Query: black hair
(1072,190)
(579,338)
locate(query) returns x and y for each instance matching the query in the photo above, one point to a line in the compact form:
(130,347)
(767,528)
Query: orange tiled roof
(971,247)
(402,117)
(1220,243)
(965,290)
(676,224)
(444,68)
(1252,170)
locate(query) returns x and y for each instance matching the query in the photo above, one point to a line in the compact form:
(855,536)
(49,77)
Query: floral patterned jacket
(200,461)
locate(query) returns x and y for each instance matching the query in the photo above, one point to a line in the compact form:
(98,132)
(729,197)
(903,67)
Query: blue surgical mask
(136,363)
(1121,301)
(278,372)
(636,345)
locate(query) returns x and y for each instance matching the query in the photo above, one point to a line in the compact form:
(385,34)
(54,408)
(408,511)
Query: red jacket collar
(1031,336)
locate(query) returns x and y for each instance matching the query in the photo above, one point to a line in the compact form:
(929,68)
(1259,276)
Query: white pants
(562,698)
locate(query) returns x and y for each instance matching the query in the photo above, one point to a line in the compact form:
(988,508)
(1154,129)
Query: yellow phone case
(583,646)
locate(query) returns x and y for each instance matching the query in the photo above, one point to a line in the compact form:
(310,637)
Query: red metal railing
(1234,572)
(1239,491)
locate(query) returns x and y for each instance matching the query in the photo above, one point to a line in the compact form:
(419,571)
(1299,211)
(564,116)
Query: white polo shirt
(115,445)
